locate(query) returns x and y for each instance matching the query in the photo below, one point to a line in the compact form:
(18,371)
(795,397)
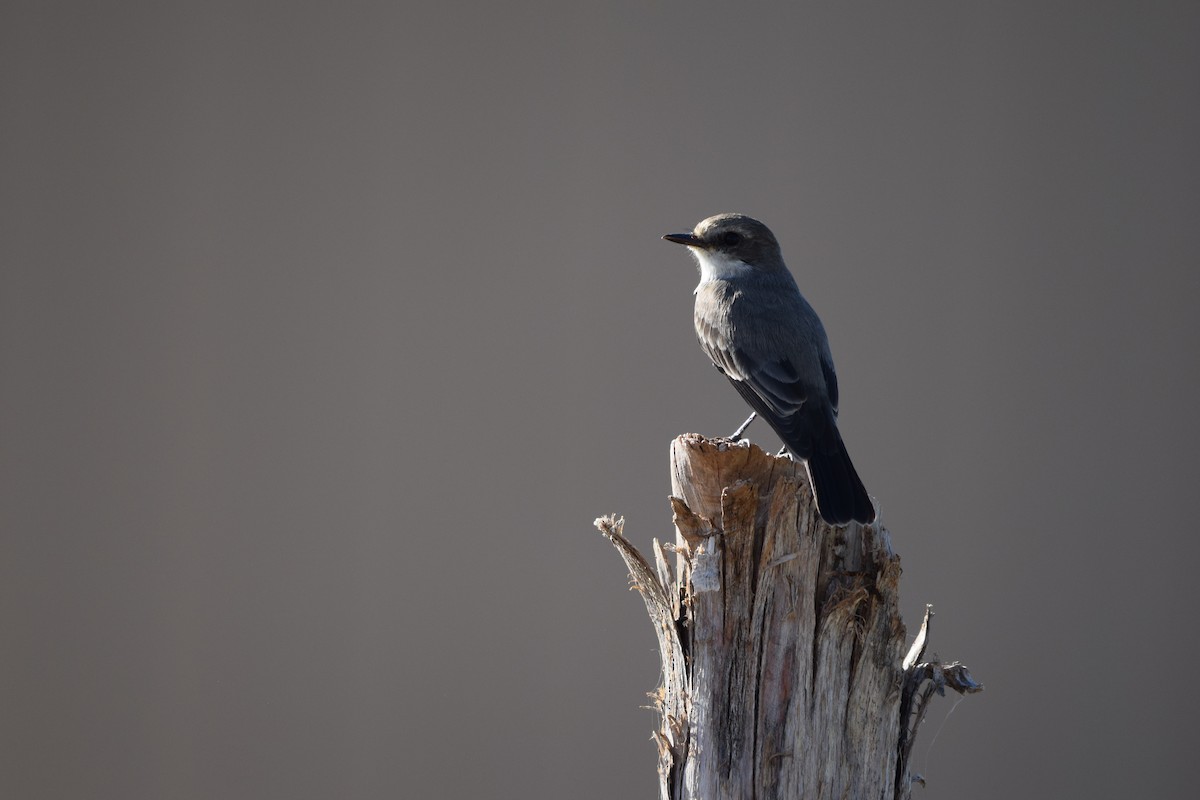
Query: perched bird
(766,339)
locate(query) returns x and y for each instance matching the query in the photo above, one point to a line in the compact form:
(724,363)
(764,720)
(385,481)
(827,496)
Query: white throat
(718,266)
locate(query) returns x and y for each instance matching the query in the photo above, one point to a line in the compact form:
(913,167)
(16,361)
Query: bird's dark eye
(731,238)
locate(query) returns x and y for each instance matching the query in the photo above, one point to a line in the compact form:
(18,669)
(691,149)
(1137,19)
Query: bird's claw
(737,435)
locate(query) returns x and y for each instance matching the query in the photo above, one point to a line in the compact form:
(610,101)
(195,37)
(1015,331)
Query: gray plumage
(766,339)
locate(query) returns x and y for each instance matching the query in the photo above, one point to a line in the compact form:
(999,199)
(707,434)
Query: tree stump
(784,674)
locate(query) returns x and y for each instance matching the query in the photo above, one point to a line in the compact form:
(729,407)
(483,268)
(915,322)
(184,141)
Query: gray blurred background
(325,332)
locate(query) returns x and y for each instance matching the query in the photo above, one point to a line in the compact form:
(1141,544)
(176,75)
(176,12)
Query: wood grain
(784,669)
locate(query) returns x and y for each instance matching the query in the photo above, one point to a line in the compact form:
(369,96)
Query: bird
(762,335)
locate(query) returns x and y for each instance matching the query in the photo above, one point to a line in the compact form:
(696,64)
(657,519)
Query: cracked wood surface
(784,671)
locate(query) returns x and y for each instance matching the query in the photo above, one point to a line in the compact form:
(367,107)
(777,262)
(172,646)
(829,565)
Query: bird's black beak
(690,239)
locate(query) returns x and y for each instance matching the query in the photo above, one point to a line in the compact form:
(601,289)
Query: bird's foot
(737,435)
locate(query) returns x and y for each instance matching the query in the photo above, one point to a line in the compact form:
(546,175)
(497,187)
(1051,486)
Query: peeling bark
(782,647)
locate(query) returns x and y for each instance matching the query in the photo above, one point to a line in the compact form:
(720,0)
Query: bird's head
(729,245)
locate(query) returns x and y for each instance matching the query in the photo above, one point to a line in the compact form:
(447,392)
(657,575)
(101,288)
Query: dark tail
(841,496)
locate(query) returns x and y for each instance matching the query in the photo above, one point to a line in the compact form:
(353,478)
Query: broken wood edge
(923,679)
(671,698)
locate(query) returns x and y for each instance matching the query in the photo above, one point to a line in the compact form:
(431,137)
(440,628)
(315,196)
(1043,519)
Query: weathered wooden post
(784,674)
